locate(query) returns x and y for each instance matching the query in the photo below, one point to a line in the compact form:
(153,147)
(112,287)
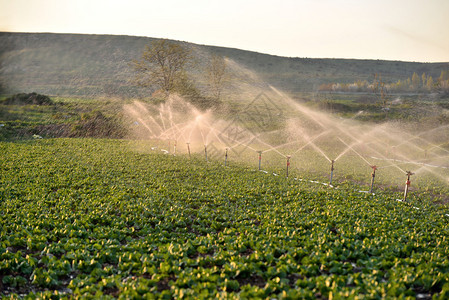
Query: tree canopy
(162,65)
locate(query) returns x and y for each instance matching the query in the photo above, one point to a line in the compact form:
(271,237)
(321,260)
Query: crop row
(85,218)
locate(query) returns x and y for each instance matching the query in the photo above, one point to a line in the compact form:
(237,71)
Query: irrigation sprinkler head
(332,165)
(408,173)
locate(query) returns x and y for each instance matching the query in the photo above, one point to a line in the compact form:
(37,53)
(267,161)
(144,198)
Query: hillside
(77,64)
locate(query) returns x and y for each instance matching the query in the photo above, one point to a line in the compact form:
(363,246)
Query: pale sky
(408,30)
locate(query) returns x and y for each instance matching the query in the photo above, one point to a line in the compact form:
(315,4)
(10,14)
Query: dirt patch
(255,280)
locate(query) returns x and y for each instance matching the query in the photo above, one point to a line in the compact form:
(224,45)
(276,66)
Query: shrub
(95,124)
(28,99)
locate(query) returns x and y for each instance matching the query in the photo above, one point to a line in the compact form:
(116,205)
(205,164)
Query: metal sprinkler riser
(407,184)
(332,171)
(226,157)
(373,175)
(188,149)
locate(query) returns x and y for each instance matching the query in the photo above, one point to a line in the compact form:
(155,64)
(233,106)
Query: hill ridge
(98,64)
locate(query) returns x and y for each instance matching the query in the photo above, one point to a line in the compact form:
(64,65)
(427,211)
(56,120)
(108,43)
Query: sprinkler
(226,156)
(407,184)
(205,151)
(260,159)
(188,149)
(372,178)
(332,171)
(288,163)
(174,148)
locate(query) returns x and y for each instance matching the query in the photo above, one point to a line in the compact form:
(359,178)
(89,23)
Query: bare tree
(216,71)
(163,64)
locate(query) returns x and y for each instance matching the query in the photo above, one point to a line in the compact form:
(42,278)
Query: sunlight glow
(306,28)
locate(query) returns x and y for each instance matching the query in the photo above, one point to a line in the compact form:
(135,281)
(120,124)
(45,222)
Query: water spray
(169,146)
(188,149)
(226,157)
(288,163)
(393,153)
(332,171)
(205,151)
(260,159)
(407,184)
(372,178)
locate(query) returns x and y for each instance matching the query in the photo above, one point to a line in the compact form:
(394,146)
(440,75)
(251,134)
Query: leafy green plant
(98,219)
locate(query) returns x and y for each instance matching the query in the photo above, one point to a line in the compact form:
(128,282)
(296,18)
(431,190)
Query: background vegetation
(75,64)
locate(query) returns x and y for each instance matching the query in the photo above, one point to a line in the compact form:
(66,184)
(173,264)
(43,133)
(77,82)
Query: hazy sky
(410,30)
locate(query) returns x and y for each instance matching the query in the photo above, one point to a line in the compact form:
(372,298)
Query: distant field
(424,109)
(95,217)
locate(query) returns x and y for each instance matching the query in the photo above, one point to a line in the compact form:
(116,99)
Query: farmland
(94,217)
(105,193)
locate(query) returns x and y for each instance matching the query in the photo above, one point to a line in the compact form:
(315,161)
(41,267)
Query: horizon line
(227,47)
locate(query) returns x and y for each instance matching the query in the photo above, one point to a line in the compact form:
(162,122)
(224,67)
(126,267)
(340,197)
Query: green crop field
(84,218)
(254,187)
